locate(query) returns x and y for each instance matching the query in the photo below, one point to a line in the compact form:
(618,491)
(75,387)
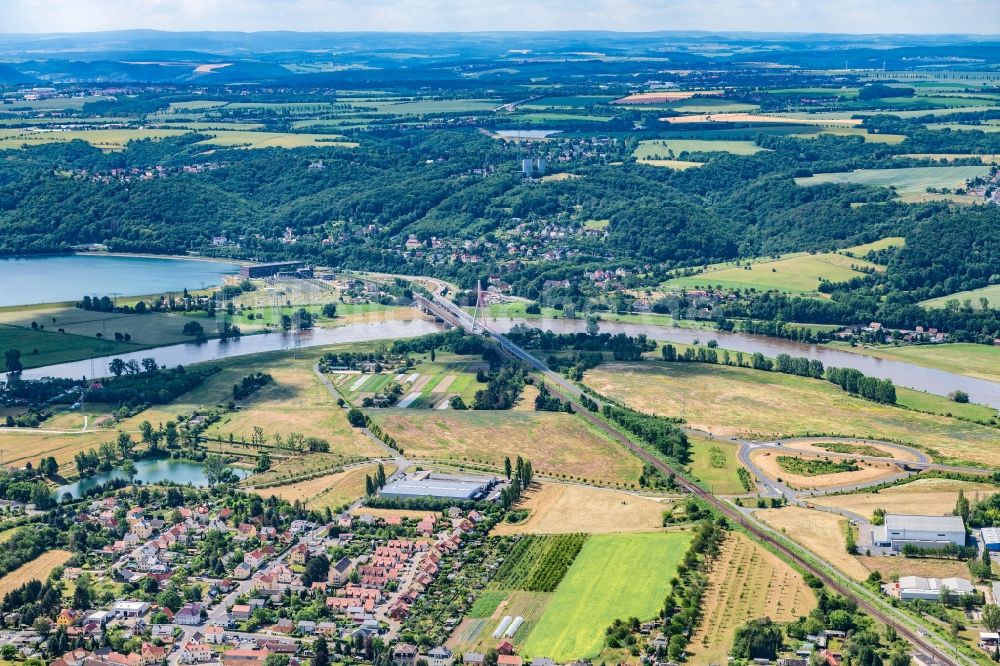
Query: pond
(70,277)
(151,470)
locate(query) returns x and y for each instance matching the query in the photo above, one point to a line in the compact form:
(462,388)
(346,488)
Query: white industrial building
(918,587)
(919,531)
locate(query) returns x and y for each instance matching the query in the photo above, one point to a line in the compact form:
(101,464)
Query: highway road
(907,626)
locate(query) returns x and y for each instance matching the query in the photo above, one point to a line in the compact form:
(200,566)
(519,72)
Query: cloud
(848,16)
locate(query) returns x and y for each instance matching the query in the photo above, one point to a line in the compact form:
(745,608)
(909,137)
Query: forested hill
(461,185)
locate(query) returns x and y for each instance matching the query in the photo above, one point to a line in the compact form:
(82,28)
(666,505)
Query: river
(153,470)
(187,353)
(938,382)
(70,277)
(930,380)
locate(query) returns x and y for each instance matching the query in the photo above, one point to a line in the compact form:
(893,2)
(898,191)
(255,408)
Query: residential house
(215,634)
(340,572)
(439,656)
(195,653)
(189,615)
(404,654)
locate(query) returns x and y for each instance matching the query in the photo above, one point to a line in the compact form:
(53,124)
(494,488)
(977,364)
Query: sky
(844,16)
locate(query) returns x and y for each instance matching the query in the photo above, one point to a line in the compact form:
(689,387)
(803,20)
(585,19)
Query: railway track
(905,627)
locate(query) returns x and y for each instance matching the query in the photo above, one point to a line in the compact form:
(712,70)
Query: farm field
(990,293)
(715,463)
(40,348)
(662,97)
(818,532)
(648,149)
(741,402)
(910,181)
(557,444)
(427,385)
(774,466)
(982,361)
(796,274)
(296,401)
(151,329)
(934,496)
(963,127)
(678,165)
(574,101)
(745,582)
(475,633)
(330,491)
(39,568)
(613,576)
(111,140)
(559,508)
(240,139)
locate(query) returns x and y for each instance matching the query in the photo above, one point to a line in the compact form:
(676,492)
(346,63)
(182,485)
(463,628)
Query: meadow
(715,464)
(990,293)
(963,358)
(755,404)
(819,532)
(559,445)
(794,274)
(910,181)
(614,576)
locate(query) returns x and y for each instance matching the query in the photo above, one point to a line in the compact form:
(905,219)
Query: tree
(757,639)
(217,471)
(12,358)
(962,507)
(321,653)
(506,467)
(369,485)
(593,328)
(356,417)
(117,367)
(959,396)
(146,431)
(991,620)
(317,570)
(263,462)
(194,328)
(149,364)
(329,310)
(170,599)
(124,444)
(129,470)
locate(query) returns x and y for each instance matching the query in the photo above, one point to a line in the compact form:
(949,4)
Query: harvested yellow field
(768,463)
(818,532)
(746,582)
(331,490)
(915,566)
(562,509)
(934,497)
(37,569)
(391,513)
(558,444)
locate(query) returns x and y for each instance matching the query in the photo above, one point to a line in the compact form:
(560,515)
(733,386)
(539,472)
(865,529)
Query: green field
(649,149)
(796,274)
(990,293)
(105,139)
(982,361)
(936,404)
(714,463)
(614,576)
(40,348)
(908,181)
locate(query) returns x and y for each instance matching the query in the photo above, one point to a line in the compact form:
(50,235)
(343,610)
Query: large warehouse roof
(433,488)
(895,521)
